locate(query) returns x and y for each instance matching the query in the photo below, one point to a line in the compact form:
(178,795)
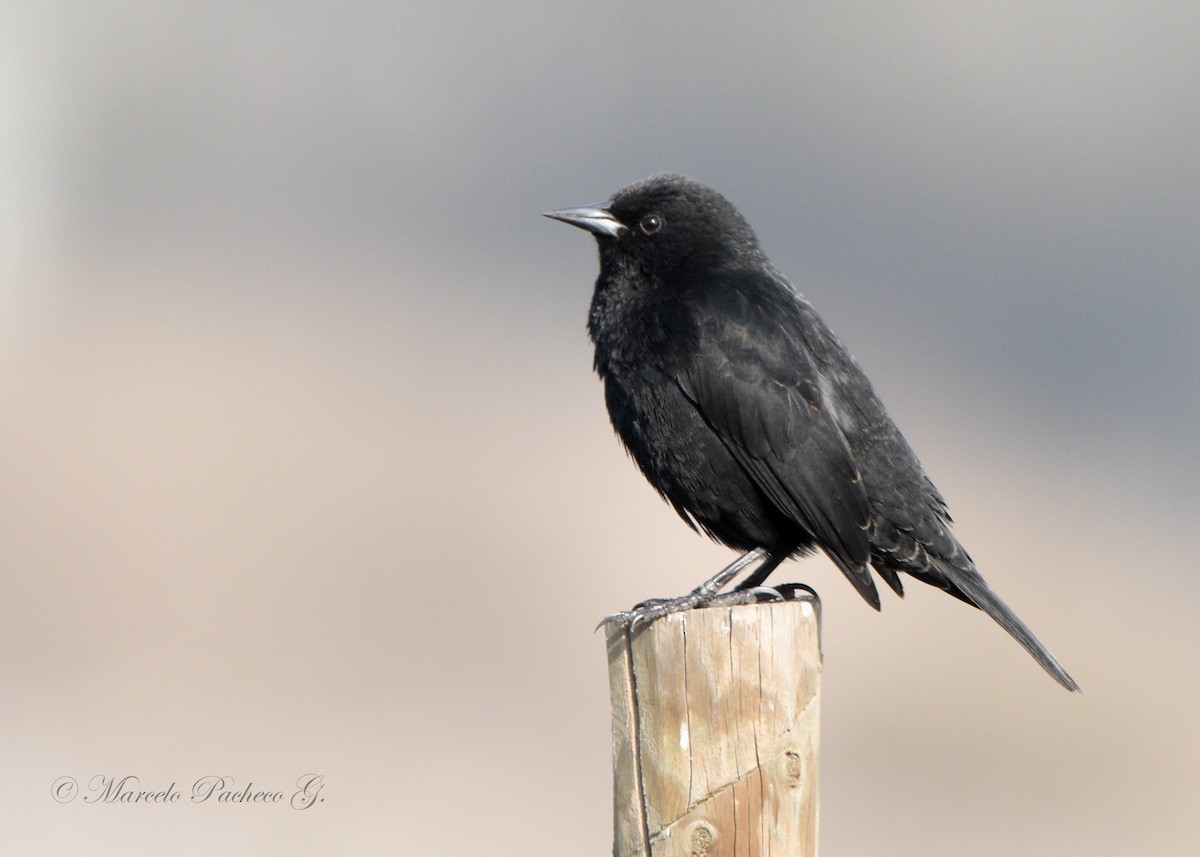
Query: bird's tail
(975,588)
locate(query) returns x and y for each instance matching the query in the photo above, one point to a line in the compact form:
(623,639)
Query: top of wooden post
(715,731)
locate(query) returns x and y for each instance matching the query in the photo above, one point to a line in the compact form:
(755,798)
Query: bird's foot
(797,592)
(647,611)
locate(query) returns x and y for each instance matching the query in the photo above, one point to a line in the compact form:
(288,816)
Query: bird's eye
(650,224)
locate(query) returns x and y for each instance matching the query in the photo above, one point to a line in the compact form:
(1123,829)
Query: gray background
(304,467)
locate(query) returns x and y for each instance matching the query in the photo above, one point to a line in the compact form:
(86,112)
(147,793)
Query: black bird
(749,416)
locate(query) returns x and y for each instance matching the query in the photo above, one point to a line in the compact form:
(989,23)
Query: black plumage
(745,411)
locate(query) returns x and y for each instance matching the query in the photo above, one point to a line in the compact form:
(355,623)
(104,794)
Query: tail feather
(975,588)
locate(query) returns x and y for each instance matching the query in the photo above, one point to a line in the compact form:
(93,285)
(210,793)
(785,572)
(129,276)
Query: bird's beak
(594,218)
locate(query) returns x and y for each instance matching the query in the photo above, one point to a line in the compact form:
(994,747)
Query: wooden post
(715,732)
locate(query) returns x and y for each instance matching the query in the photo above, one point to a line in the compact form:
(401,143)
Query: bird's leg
(704,594)
(755,579)
(725,576)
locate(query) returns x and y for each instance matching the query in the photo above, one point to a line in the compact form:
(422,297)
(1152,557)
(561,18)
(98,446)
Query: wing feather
(756,385)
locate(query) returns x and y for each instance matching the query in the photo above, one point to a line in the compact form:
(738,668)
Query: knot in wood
(702,840)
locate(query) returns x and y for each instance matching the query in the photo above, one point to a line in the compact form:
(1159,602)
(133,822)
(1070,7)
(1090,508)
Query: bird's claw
(645,612)
(641,613)
(621,618)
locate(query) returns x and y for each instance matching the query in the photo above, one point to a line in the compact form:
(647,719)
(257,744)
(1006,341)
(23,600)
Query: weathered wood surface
(715,716)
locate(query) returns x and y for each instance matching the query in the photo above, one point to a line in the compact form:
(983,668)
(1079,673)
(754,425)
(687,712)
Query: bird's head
(663,225)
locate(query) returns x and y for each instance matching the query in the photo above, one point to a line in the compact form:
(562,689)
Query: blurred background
(304,468)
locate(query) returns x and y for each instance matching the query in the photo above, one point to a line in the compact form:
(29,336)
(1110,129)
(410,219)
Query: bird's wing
(755,383)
